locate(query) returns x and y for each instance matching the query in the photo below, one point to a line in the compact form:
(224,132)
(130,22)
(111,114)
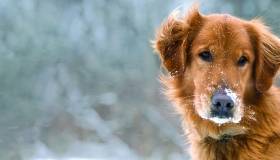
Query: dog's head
(223,63)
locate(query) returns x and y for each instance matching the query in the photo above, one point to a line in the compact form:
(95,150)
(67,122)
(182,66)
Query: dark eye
(206,56)
(242,61)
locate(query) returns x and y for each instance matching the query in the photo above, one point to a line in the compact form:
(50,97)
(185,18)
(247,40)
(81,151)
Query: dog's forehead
(224,27)
(225,32)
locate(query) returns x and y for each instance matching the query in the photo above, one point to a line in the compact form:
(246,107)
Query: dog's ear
(174,38)
(267,48)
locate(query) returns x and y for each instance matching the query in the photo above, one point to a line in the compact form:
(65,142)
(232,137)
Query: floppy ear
(267,56)
(174,38)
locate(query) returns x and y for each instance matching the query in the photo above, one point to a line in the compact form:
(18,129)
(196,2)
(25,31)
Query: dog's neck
(225,148)
(232,147)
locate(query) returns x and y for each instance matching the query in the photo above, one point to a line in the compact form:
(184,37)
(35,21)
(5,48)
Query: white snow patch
(202,102)
(220,120)
(224,120)
(232,95)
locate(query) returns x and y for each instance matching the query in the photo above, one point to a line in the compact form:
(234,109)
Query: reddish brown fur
(178,42)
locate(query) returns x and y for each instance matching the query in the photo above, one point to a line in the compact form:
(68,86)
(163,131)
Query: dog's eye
(242,61)
(206,56)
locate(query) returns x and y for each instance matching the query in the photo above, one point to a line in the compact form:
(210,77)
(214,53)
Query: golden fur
(178,43)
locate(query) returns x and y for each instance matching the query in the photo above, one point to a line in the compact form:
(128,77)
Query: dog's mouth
(222,120)
(219,120)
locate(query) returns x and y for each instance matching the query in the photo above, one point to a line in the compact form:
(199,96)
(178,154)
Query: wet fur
(257,136)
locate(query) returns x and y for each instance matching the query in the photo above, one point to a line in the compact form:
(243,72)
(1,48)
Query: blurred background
(79,79)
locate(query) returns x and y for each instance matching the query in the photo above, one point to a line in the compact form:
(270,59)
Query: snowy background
(79,80)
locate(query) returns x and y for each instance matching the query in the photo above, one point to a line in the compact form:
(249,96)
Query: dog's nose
(222,105)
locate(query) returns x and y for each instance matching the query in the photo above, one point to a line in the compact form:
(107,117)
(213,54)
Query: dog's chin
(225,127)
(229,130)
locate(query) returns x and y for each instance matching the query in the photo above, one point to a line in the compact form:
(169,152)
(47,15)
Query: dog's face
(219,64)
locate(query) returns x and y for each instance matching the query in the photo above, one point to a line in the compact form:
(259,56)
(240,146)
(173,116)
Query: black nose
(222,105)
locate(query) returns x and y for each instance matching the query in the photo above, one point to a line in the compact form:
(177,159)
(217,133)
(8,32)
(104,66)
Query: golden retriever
(221,75)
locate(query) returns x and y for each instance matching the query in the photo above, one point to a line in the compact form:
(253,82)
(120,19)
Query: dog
(220,72)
